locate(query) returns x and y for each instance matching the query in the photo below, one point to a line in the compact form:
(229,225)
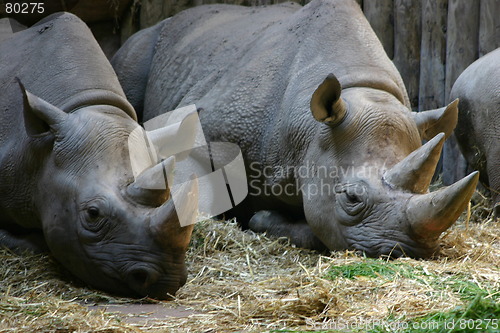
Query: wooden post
(489,33)
(462,38)
(380,14)
(407,28)
(461,51)
(433,55)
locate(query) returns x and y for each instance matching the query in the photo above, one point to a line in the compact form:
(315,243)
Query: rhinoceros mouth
(134,271)
(395,249)
(150,281)
(138,281)
(376,240)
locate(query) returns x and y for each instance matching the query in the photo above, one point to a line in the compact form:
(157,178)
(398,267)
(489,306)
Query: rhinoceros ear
(326,104)
(40,117)
(443,120)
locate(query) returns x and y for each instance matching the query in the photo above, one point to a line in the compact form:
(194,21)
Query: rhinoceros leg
(19,243)
(278,225)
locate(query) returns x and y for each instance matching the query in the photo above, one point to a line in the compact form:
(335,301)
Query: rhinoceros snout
(148,282)
(141,278)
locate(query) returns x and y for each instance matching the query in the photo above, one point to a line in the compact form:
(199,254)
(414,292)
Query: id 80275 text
(24,8)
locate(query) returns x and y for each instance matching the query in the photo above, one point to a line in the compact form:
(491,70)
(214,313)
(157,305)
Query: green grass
(373,268)
(479,313)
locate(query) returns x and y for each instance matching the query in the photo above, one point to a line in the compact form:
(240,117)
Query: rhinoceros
(66,181)
(478,128)
(333,153)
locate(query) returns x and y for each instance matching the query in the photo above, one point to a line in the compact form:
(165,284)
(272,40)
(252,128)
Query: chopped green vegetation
(461,283)
(374,268)
(480,311)
(480,315)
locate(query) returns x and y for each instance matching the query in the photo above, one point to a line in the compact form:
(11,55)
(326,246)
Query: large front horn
(431,214)
(151,187)
(414,173)
(175,218)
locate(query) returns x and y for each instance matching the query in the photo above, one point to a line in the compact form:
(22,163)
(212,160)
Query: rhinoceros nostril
(140,278)
(151,282)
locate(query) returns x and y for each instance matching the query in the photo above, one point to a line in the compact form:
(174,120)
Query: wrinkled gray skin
(478,128)
(257,73)
(65,169)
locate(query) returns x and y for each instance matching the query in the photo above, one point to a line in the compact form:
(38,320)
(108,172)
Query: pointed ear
(326,104)
(431,123)
(40,117)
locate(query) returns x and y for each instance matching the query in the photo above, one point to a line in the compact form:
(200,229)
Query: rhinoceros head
(97,221)
(378,199)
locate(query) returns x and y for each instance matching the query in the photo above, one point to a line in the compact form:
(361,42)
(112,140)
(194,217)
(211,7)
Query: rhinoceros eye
(94,218)
(93,213)
(353,198)
(352,202)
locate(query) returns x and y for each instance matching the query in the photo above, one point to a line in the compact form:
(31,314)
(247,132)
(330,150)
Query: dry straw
(245,281)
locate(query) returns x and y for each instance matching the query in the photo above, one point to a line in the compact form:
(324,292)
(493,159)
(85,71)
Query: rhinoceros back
(253,70)
(56,59)
(198,48)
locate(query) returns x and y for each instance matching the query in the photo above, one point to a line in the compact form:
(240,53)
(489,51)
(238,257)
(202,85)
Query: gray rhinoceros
(478,129)
(351,175)
(65,172)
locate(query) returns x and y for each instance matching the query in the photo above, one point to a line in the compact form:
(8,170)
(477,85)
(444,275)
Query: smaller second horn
(414,173)
(151,187)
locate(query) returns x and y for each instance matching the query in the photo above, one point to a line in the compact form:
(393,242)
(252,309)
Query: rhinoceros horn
(432,122)
(431,214)
(414,173)
(326,104)
(151,186)
(176,215)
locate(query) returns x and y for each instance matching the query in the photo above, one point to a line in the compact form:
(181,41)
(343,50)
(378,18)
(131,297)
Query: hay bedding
(245,281)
